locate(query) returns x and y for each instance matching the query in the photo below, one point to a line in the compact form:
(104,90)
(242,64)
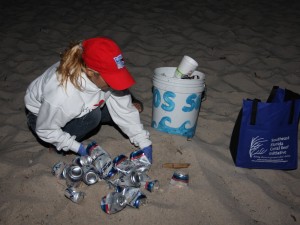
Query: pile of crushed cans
(126,175)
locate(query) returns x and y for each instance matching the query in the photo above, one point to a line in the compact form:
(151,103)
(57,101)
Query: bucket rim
(168,78)
(173,69)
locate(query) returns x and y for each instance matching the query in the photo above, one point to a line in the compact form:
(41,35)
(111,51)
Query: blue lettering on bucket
(194,102)
(182,130)
(169,107)
(168,104)
(156,98)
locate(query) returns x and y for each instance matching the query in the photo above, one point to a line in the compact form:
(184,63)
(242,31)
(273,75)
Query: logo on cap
(119,61)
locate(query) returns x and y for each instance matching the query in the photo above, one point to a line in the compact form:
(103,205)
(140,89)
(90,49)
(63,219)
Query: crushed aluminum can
(123,164)
(134,197)
(113,202)
(76,161)
(151,185)
(138,200)
(95,150)
(104,166)
(101,160)
(180,179)
(90,175)
(74,176)
(64,173)
(129,180)
(73,195)
(59,170)
(82,160)
(111,173)
(147,183)
(139,158)
(142,169)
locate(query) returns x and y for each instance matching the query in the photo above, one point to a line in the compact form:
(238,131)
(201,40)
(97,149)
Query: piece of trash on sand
(176,165)
(180,179)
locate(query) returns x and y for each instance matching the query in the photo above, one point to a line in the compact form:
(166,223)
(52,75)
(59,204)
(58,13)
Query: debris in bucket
(126,175)
(190,77)
(186,68)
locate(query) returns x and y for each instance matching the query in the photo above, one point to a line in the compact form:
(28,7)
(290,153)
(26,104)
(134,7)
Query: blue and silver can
(123,164)
(139,158)
(104,166)
(95,150)
(74,176)
(82,160)
(134,197)
(113,202)
(90,175)
(151,185)
(129,180)
(73,195)
(180,179)
(59,170)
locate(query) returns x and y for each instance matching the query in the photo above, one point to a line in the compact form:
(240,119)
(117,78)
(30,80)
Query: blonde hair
(71,65)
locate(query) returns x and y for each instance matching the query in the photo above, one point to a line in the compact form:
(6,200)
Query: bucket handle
(204,93)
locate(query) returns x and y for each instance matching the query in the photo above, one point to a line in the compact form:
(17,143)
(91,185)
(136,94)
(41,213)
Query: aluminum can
(90,175)
(134,197)
(74,176)
(128,180)
(123,164)
(151,185)
(76,161)
(111,173)
(95,150)
(140,159)
(147,183)
(142,169)
(82,160)
(104,165)
(73,195)
(64,172)
(180,179)
(59,170)
(113,202)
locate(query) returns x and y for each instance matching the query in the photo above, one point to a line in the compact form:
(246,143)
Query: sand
(243,47)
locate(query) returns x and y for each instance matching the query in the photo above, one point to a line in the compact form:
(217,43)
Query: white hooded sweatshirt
(55,105)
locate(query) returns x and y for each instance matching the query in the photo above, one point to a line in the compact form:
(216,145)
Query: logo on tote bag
(277,147)
(256,146)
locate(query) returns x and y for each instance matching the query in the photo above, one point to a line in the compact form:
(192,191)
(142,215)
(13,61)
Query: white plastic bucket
(176,102)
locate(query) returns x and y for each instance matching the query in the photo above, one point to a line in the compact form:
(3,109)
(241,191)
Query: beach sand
(243,47)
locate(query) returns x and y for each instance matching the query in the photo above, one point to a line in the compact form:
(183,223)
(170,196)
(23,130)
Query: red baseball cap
(104,56)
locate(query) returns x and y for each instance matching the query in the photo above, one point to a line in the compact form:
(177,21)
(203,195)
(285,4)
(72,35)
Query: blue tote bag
(265,134)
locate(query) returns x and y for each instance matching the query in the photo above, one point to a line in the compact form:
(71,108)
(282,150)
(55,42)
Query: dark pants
(82,127)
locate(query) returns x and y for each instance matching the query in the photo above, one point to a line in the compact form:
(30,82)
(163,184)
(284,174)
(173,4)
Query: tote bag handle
(286,95)
(255,107)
